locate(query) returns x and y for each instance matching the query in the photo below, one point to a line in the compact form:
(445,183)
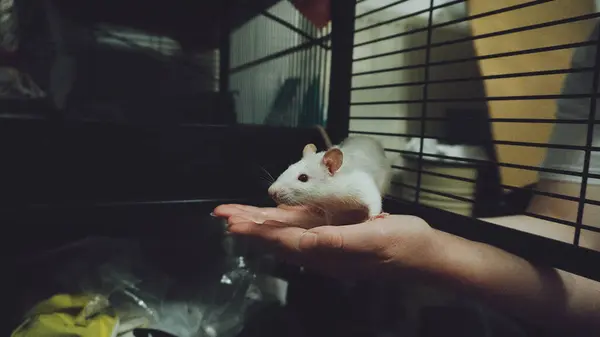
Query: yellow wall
(536,85)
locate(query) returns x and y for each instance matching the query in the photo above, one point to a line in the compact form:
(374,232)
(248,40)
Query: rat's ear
(309,149)
(333,159)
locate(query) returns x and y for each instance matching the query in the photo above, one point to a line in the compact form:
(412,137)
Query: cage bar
(588,147)
(483,57)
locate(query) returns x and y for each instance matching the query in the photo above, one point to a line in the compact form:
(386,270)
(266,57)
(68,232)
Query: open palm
(302,237)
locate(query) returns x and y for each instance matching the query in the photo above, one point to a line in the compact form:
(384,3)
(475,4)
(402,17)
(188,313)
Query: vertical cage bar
(588,142)
(322,81)
(311,60)
(312,57)
(306,106)
(304,55)
(424,98)
(314,65)
(297,61)
(340,83)
(224,49)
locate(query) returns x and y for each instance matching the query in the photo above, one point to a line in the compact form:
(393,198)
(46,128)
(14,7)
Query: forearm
(550,297)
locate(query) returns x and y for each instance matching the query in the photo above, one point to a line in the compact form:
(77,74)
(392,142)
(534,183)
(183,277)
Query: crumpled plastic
(16,84)
(139,296)
(66,315)
(9,40)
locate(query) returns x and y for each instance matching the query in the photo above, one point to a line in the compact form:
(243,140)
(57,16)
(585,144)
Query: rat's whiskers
(269,175)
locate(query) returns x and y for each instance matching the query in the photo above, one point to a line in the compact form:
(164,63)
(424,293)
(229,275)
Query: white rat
(354,175)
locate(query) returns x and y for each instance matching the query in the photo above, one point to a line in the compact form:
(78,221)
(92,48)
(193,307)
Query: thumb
(321,238)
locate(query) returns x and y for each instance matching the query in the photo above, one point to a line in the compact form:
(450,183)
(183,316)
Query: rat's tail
(325,136)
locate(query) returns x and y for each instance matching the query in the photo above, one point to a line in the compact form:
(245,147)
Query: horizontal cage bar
(293,28)
(483,36)
(447,195)
(497,120)
(379,9)
(542,217)
(486,162)
(400,18)
(208,203)
(562,222)
(277,55)
(455,21)
(513,188)
(479,99)
(480,58)
(548,251)
(478,78)
(499,142)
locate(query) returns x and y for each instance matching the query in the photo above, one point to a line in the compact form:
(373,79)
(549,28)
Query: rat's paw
(378,216)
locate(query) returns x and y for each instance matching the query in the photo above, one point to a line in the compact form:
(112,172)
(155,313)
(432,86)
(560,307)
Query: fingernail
(212,214)
(307,241)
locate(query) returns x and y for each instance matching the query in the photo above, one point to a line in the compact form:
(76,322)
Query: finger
(333,250)
(292,215)
(291,239)
(366,237)
(265,213)
(271,231)
(291,207)
(245,219)
(228,210)
(258,214)
(277,243)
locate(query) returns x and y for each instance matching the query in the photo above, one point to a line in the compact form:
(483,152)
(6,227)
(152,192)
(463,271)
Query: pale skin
(401,246)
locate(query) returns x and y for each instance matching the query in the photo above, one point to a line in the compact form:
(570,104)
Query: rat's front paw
(378,216)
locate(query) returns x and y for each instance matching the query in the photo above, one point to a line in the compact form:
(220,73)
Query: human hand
(396,243)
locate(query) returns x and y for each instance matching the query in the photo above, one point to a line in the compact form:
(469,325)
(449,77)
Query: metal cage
(418,64)
(271,77)
(420,58)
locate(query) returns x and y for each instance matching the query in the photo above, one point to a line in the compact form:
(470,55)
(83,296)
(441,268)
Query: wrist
(512,284)
(454,262)
(438,259)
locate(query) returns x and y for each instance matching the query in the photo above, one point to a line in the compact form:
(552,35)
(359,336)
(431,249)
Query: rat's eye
(303,178)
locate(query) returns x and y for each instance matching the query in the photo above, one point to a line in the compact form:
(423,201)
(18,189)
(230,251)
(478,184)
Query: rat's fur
(359,183)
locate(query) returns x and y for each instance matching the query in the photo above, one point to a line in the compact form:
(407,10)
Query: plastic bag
(9,41)
(143,297)
(66,315)
(221,315)
(15,84)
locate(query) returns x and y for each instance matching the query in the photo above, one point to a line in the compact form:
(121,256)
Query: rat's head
(308,179)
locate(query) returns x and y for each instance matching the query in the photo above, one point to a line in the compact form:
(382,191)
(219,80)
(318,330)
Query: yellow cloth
(70,316)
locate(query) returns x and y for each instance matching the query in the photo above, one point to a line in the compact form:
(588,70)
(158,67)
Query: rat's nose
(273,193)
